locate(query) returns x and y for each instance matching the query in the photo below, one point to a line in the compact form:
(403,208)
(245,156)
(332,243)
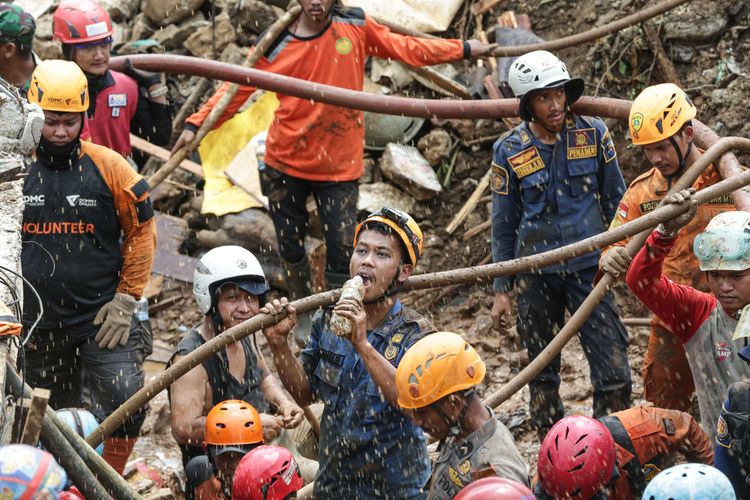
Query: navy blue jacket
(548,196)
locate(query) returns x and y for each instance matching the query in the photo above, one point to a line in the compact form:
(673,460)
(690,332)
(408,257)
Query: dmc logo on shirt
(34,200)
(76,200)
(722,350)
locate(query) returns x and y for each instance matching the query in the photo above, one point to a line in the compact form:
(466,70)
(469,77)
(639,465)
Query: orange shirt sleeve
(136,216)
(383,43)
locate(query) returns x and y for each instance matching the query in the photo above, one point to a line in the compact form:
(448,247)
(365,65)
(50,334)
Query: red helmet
(576,459)
(81,21)
(495,488)
(266,473)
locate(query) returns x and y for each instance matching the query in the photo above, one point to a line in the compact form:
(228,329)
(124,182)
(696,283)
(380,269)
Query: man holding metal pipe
(705,323)
(661,124)
(555,181)
(368,447)
(315,148)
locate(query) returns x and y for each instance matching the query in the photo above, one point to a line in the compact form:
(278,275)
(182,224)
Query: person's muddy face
(731,288)
(236,305)
(317,10)
(547,106)
(430,421)
(61,128)
(663,156)
(376,259)
(93,59)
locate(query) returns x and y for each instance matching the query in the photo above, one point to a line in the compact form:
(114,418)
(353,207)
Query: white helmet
(227,264)
(541,70)
(725,243)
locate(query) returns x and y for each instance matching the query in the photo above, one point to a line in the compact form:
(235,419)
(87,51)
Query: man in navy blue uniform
(556,181)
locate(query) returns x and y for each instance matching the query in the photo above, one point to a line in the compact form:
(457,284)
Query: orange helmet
(405,227)
(233,423)
(658,113)
(438,365)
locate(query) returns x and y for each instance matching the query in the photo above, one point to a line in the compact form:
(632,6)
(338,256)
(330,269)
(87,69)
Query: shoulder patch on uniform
(464,467)
(140,188)
(397,338)
(499,179)
(144,209)
(581,143)
(526,162)
(525,139)
(622,209)
(608,147)
(390,352)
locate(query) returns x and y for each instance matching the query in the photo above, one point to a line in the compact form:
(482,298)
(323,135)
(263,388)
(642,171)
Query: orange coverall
(667,379)
(644,437)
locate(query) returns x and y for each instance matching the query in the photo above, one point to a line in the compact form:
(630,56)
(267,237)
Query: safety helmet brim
(574,88)
(215,450)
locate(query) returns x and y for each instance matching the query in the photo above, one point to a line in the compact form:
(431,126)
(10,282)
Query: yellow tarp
(220,147)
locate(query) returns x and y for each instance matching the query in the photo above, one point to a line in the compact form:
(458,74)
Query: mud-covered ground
(708,41)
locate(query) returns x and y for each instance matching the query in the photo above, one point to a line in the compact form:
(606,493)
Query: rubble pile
(433,174)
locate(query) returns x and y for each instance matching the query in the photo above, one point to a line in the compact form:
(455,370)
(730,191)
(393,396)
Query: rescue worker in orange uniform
(233,428)
(89,241)
(668,146)
(617,455)
(315,148)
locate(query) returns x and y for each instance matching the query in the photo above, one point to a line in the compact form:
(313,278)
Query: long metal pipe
(426,108)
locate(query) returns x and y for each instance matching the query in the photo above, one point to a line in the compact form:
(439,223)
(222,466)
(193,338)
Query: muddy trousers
(337,205)
(542,300)
(667,378)
(57,356)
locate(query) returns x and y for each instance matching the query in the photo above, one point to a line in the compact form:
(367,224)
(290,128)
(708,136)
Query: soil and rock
(707,42)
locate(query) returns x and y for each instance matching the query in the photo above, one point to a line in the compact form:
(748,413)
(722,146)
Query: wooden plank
(168,260)
(163,154)
(470,204)
(33,426)
(483,6)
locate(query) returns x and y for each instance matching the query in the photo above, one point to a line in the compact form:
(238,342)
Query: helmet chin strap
(454,426)
(551,131)
(682,159)
(393,288)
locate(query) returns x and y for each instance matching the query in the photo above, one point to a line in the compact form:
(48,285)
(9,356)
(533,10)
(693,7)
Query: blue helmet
(82,421)
(689,482)
(28,472)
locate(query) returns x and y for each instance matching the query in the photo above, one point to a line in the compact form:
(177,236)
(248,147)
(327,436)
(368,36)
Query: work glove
(144,78)
(672,227)
(615,261)
(115,317)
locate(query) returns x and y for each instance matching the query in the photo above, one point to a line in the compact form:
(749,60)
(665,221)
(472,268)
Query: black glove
(144,78)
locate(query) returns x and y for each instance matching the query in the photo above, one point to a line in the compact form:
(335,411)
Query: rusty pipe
(425,108)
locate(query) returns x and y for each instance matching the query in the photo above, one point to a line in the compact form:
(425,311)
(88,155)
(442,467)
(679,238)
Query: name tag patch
(499,179)
(581,143)
(648,206)
(117,100)
(526,162)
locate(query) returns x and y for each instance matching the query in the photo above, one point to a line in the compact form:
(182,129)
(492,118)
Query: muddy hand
(186,139)
(271,425)
(501,313)
(616,261)
(354,311)
(672,227)
(277,334)
(291,414)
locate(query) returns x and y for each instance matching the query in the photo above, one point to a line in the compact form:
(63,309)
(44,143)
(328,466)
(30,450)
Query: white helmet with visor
(725,244)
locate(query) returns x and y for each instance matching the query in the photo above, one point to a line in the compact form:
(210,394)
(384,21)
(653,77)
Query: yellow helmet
(402,224)
(59,86)
(438,365)
(658,113)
